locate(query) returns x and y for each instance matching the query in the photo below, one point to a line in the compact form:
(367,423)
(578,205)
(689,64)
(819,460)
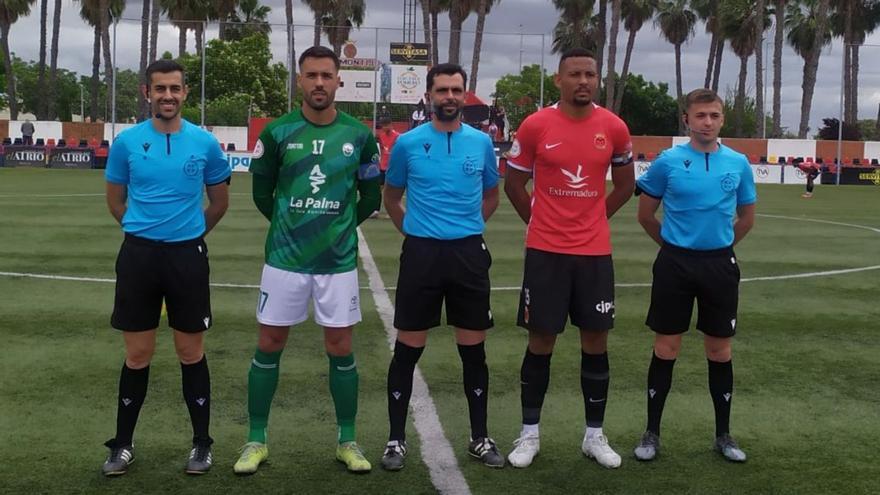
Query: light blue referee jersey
(445,175)
(165,175)
(700,193)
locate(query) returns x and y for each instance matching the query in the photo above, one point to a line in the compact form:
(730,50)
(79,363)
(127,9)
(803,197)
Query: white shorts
(284,298)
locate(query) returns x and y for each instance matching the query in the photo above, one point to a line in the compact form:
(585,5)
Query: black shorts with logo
(682,275)
(148,272)
(434,270)
(557,286)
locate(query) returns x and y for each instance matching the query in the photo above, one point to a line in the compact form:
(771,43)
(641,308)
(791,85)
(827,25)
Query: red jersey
(569,160)
(386,142)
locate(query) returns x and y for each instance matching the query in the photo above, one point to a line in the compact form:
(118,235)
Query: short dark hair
(319,52)
(163,66)
(383,121)
(576,52)
(448,70)
(702,95)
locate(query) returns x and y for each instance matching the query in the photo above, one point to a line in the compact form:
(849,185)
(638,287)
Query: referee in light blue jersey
(450,176)
(156,175)
(708,196)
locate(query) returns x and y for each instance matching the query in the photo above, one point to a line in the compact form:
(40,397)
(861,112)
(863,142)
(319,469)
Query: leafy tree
(830,129)
(648,108)
(520,93)
(239,67)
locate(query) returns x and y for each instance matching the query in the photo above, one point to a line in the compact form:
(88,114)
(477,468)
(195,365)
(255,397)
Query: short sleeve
(622,152)
(490,166)
(746,193)
(522,153)
(653,182)
(264,160)
(396,174)
(117,163)
(369,163)
(217,170)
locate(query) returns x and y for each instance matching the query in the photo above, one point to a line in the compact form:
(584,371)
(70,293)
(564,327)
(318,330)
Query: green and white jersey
(316,169)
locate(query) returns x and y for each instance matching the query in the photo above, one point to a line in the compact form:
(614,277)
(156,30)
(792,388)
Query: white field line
(437,452)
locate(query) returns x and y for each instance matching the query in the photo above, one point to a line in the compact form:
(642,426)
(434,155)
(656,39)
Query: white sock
(592,432)
(530,430)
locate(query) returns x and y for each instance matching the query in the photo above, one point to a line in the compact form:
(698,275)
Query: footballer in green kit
(315,178)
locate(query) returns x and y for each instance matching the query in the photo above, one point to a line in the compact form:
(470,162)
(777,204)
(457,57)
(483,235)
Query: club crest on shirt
(599,141)
(258,150)
(469,167)
(728,183)
(515,149)
(191,167)
(347,149)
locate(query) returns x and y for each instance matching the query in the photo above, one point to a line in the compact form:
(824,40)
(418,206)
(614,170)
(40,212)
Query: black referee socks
(476,386)
(721,389)
(659,383)
(132,392)
(400,382)
(197,394)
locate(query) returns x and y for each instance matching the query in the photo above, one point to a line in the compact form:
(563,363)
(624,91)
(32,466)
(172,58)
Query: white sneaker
(526,448)
(597,447)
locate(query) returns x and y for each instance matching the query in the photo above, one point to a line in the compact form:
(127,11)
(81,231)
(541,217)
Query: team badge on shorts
(599,141)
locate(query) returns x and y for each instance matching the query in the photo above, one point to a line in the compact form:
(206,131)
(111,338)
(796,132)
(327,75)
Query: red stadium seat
(651,156)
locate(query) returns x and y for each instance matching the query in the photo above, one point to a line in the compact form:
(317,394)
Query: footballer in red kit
(566,150)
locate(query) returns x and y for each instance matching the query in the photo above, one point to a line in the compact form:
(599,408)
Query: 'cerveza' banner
(411,53)
(24,156)
(71,158)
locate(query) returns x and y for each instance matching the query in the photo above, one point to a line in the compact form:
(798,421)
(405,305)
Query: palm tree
(182,14)
(635,13)
(779,22)
(88,11)
(425,5)
(576,26)
(761,23)
(707,11)
(610,83)
(676,22)
(155,10)
(483,7)
(252,18)
(459,10)
(737,24)
(341,18)
(41,75)
(320,9)
(11,11)
(436,8)
(224,10)
(145,44)
(865,23)
(53,56)
(104,17)
(808,32)
(853,20)
(601,29)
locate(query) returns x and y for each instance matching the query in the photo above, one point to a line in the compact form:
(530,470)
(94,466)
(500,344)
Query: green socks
(262,382)
(344,389)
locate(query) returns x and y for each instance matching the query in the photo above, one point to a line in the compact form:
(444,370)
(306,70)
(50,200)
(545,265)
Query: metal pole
(376,79)
(765,46)
(542,71)
(840,118)
(113,86)
(520,46)
(204,56)
(289,69)
(82,105)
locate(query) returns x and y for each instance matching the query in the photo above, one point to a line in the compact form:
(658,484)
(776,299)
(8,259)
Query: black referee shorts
(682,275)
(557,286)
(148,272)
(433,271)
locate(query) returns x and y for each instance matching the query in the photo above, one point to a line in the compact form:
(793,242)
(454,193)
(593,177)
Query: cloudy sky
(503,49)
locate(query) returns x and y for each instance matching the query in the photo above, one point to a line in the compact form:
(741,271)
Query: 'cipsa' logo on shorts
(239,163)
